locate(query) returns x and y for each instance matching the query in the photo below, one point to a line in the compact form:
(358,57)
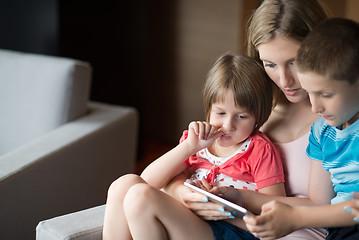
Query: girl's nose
(228,124)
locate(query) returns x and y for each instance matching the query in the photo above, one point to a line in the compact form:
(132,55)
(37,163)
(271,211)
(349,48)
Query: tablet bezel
(235,209)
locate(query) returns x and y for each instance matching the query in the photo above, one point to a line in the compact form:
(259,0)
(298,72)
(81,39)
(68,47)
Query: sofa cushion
(39,93)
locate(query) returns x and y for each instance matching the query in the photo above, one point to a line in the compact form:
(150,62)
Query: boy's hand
(275,221)
(202,134)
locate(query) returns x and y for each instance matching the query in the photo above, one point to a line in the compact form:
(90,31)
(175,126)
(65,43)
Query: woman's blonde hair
(246,79)
(288,18)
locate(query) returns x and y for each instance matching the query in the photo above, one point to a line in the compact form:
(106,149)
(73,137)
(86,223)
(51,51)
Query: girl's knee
(121,185)
(137,199)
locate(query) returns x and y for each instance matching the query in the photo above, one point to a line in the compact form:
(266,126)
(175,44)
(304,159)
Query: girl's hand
(200,205)
(276,220)
(202,135)
(203,184)
(231,194)
(353,207)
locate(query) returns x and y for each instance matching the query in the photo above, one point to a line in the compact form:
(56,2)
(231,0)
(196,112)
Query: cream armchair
(81,225)
(58,151)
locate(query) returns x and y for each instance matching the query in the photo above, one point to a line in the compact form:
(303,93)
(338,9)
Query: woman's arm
(353,207)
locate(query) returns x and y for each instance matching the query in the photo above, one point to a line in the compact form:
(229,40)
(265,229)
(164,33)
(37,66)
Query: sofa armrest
(81,225)
(66,170)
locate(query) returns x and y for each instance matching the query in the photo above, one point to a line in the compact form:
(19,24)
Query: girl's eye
(220,113)
(241,116)
(291,64)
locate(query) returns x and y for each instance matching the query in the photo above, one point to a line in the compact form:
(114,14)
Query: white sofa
(59,152)
(81,225)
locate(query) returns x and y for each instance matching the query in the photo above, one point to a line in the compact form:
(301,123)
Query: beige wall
(205,29)
(352,9)
(343,8)
(202,31)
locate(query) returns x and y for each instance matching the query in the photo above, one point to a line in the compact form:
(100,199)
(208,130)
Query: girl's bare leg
(115,223)
(153,214)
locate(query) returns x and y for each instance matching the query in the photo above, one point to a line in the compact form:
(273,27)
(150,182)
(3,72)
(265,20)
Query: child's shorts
(344,233)
(225,231)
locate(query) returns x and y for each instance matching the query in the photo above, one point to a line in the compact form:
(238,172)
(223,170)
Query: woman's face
(278,57)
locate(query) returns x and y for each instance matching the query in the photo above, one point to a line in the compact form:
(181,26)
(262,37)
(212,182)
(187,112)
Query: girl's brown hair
(246,79)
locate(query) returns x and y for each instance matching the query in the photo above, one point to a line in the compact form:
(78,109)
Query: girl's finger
(208,130)
(201,129)
(206,184)
(194,126)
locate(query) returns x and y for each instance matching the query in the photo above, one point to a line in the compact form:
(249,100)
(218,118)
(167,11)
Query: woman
(275,32)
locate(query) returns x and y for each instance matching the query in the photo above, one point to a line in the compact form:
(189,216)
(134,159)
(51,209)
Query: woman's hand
(353,207)
(276,220)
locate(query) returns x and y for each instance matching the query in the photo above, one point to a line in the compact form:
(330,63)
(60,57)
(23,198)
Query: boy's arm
(320,186)
(279,218)
(320,192)
(324,216)
(289,219)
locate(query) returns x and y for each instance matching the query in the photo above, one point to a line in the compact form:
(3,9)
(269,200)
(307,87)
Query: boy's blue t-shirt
(339,152)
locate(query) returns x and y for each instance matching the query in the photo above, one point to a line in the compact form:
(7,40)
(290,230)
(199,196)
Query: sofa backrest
(37,94)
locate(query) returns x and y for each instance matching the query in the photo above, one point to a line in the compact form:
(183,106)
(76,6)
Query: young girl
(227,150)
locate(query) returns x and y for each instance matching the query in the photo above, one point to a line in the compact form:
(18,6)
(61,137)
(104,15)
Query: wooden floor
(150,150)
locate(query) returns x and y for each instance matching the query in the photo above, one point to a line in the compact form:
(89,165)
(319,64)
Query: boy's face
(336,101)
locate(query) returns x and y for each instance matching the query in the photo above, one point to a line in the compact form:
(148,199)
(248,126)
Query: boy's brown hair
(332,50)
(246,79)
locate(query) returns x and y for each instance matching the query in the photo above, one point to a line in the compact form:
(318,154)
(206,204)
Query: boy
(328,69)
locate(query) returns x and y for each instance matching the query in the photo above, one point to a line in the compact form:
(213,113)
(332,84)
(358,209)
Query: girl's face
(236,123)
(278,57)
(336,101)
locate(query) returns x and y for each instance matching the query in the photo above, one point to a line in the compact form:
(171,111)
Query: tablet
(235,209)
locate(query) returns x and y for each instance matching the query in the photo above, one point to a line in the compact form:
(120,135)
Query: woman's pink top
(297,169)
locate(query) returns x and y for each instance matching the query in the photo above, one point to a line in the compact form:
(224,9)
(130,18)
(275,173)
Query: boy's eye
(327,95)
(220,113)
